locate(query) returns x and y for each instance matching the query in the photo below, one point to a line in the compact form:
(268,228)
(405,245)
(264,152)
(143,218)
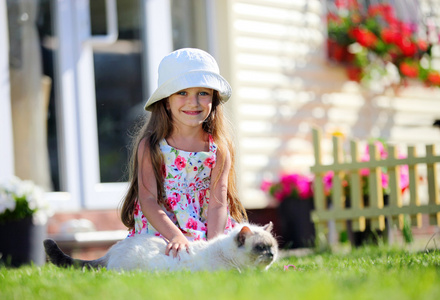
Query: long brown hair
(158,127)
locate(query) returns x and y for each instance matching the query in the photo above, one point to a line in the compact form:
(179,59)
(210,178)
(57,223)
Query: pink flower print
(202,196)
(191,224)
(144,223)
(164,171)
(136,209)
(209,162)
(228,224)
(195,168)
(173,200)
(180,162)
(188,198)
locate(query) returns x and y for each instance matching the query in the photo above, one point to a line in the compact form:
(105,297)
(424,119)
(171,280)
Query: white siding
(283,85)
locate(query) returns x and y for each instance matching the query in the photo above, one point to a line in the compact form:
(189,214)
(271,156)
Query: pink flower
(384,180)
(328,182)
(265,185)
(288,186)
(202,196)
(191,224)
(404,177)
(173,200)
(180,162)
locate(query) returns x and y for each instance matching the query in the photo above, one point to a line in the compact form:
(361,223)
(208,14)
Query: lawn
(366,273)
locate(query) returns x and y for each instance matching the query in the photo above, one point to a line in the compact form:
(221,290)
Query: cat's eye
(260,247)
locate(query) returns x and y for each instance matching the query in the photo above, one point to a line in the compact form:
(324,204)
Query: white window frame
(76,114)
(6,139)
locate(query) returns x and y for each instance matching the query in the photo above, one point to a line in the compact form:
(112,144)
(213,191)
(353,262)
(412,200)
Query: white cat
(245,246)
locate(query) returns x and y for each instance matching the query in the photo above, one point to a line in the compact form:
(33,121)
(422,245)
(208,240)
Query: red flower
(164,171)
(180,162)
(202,196)
(407,47)
(423,45)
(364,37)
(209,162)
(409,69)
(350,4)
(434,77)
(390,36)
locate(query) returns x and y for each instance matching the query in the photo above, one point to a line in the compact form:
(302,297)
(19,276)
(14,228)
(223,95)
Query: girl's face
(190,107)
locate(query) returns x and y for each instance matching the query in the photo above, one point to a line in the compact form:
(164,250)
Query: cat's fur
(245,246)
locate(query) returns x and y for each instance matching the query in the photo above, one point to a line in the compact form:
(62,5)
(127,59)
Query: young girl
(182,177)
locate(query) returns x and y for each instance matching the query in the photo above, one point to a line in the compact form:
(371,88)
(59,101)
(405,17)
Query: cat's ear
(268,227)
(242,235)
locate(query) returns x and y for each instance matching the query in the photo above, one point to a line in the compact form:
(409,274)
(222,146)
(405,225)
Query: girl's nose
(193,99)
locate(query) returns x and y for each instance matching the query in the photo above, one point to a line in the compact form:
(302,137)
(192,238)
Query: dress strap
(212,145)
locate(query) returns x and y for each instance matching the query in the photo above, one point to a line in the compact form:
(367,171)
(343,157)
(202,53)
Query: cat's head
(258,244)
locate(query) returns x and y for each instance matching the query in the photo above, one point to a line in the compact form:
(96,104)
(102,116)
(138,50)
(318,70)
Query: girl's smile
(192,112)
(190,107)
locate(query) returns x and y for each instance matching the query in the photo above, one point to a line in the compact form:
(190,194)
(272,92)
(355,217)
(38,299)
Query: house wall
(283,85)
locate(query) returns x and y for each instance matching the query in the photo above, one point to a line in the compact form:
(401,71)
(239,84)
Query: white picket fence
(376,211)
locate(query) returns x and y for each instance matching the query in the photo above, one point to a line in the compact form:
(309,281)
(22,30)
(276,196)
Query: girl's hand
(176,244)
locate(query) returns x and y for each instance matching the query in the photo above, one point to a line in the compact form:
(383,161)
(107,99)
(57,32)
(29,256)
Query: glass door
(96,54)
(102,57)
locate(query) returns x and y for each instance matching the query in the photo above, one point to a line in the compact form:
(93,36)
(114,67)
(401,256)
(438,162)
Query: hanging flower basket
(385,50)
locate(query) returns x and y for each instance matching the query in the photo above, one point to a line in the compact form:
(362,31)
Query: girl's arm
(218,203)
(150,208)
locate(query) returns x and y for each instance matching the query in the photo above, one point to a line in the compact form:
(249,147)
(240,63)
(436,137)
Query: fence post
(375,189)
(414,199)
(338,197)
(395,199)
(356,197)
(434,219)
(318,184)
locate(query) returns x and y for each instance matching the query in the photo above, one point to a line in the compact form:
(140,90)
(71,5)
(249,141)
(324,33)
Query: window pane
(118,80)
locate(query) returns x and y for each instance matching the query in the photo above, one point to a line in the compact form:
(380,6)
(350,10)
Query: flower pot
(297,229)
(21,242)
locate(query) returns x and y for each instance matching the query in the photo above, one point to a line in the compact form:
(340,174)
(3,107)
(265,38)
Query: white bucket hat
(188,68)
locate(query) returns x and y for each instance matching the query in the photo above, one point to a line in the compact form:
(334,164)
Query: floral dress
(187,191)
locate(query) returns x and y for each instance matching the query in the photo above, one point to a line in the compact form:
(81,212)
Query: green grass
(367,273)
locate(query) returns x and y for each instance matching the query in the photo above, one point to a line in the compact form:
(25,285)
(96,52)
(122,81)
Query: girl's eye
(182,93)
(204,93)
